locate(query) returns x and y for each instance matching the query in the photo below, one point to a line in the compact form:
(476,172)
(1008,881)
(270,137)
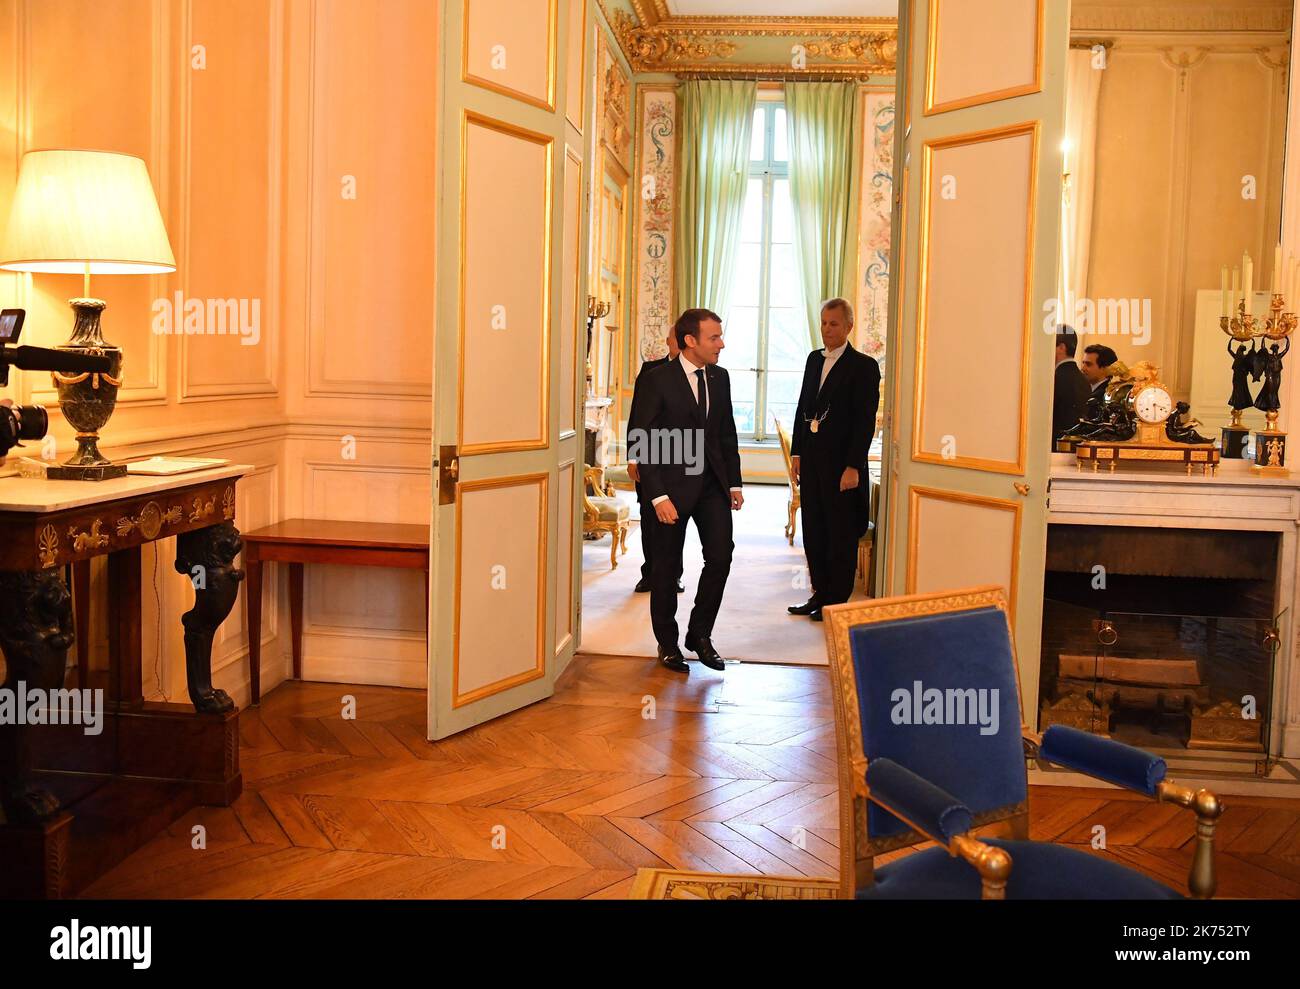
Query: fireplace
(1165,638)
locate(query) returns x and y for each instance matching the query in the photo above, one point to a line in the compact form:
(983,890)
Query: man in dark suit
(648,519)
(683,437)
(1070,390)
(833,427)
(1096,359)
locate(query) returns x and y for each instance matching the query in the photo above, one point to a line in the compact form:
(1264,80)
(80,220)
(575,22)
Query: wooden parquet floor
(569,797)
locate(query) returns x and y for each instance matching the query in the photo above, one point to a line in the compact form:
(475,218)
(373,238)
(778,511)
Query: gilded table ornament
(47,546)
(87,539)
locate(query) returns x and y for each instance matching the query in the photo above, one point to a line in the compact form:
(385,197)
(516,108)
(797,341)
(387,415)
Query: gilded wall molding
(1224,15)
(653,40)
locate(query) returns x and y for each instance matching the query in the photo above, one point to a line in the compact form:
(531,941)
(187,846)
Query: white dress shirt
(689,369)
(831,357)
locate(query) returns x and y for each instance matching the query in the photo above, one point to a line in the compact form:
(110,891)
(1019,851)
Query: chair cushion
(610,509)
(618,474)
(1039,871)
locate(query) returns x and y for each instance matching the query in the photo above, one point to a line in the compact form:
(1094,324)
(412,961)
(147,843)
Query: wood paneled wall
(290,143)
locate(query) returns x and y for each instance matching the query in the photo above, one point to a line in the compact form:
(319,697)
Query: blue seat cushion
(1040,871)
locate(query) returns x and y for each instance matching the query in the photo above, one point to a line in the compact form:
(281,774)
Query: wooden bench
(299,541)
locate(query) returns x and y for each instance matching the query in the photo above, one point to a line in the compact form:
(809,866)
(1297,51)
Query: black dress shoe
(807,608)
(642,585)
(673,660)
(703,648)
(815,615)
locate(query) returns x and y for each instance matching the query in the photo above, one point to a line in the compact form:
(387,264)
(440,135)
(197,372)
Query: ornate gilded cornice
(654,40)
(1154,15)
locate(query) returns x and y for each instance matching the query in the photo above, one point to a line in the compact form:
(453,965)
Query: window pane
(783,397)
(751,226)
(784,287)
(744,290)
(782,212)
(780,151)
(758,139)
(740,334)
(742,400)
(788,342)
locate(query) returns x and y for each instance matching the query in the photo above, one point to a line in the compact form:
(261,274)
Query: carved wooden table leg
(207,557)
(35,633)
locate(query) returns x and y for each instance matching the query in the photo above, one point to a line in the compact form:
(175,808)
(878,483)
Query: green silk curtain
(822,125)
(716,120)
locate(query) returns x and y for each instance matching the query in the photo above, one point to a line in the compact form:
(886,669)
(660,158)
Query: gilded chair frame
(792,506)
(858,849)
(591,520)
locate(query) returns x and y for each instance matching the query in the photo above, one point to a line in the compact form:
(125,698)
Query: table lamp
(86,212)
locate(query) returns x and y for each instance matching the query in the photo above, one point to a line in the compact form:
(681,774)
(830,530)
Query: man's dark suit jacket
(646,368)
(849,399)
(664,401)
(1069,397)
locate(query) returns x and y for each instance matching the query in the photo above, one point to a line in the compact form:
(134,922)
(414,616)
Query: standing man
(690,469)
(1070,389)
(648,519)
(833,427)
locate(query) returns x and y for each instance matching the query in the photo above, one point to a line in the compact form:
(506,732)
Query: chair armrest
(928,808)
(1103,758)
(940,816)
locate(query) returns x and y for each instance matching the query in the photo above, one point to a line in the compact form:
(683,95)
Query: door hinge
(448,464)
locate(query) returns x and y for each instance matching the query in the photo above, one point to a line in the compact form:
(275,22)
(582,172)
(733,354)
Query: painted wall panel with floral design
(654,187)
(875,221)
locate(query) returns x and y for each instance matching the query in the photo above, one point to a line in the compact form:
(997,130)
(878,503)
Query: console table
(75,804)
(299,541)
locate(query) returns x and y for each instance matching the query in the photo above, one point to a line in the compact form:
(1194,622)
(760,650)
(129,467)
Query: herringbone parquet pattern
(733,773)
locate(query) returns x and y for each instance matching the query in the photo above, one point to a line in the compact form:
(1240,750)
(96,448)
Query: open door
(508,446)
(972,341)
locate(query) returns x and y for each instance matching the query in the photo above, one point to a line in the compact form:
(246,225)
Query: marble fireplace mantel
(1234,499)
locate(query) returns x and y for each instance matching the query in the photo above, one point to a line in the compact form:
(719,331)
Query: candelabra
(596,309)
(1270,341)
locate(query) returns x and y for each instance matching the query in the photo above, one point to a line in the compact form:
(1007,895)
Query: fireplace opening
(1162,638)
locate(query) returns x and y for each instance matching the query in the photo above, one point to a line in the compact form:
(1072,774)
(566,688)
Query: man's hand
(737,499)
(849,479)
(794,464)
(666,512)
(634,472)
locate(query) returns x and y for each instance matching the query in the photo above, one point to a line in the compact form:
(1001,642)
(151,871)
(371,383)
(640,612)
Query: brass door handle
(1022,488)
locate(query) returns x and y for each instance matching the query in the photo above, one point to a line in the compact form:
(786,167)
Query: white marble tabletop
(38,494)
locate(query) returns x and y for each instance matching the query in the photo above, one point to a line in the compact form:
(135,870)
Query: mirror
(1172,169)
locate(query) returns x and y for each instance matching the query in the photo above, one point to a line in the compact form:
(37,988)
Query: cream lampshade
(86,212)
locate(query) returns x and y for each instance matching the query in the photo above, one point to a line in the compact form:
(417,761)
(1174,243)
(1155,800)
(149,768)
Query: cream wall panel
(569,312)
(62,44)
(575,78)
(510,48)
(982,50)
(566,495)
(988,530)
(974,320)
(229,224)
(505,327)
(371,238)
(501,571)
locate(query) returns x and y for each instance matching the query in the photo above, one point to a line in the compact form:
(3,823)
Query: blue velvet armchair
(931,745)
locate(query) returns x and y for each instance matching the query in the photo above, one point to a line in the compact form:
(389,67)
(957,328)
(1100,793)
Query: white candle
(1247,282)
(1223,291)
(1236,290)
(1277,269)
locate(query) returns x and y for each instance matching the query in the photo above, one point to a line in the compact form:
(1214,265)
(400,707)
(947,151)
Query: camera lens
(33,421)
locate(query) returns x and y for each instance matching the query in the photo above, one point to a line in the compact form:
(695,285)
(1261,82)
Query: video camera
(29,422)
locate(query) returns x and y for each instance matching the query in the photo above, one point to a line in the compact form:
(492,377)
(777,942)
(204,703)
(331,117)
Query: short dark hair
(1068,339)
(1105,356)
(688,324)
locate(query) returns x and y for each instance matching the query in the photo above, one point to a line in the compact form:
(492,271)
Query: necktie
(700,395)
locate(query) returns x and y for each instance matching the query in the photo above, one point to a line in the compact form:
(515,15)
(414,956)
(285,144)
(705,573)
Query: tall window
(767,335)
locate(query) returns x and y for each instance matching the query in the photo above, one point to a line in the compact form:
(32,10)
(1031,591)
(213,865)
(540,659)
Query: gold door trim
(1032,128)
(579,310)
(582,86)
(552,17)
(979,99)
(541,479)
(917,492)
(547,141)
